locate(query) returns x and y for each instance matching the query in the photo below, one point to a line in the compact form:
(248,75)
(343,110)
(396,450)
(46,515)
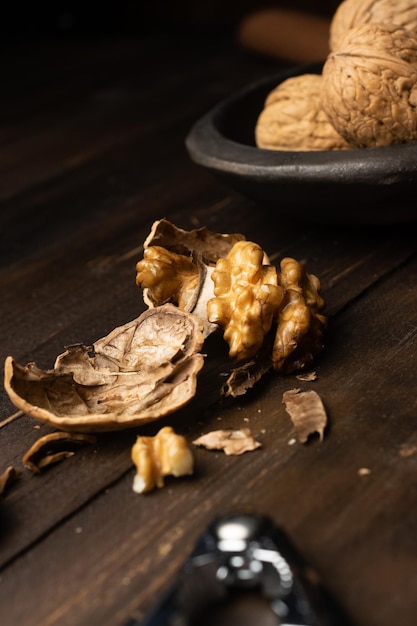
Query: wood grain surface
(92,136)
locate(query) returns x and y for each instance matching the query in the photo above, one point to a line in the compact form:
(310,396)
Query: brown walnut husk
(369,90)
(351,13)
(232,442)
(293,118)
(307,412)
(138,373)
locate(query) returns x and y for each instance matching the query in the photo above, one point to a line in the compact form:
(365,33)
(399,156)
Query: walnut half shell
(138,373)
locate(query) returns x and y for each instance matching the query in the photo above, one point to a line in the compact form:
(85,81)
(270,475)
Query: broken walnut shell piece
(7,478)
(208,244)
(232,442)
(299,334)
(307,413)
(167,453)
(246,298)
(138,373)
(53,448)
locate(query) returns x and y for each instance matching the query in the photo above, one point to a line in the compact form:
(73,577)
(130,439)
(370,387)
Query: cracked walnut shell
(293,118)
(351,13)
(139,372)
(369,90)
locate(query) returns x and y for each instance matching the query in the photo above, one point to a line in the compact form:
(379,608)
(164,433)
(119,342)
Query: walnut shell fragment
(7,478)
(138,373)
(167,453)
(232,442)
(53,448)
(351,13)
(370,86)
(293,118)
(307,413)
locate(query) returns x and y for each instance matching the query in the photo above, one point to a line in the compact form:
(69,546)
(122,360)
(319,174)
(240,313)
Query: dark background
(62,19)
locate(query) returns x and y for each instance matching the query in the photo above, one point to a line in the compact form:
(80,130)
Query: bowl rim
(209,147)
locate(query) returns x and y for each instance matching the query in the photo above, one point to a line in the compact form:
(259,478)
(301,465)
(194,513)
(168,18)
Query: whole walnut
(369,88)
(293,118)
(351,13)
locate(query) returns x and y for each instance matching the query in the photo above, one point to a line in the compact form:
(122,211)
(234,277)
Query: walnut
(156,457)
(177,265)
(167,276)
(247,297)
(369,90)
(299,334)
(351,13)
(293,118)
(242,295)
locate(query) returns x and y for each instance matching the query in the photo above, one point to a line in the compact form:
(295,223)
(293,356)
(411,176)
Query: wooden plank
(61,314)
(358,530)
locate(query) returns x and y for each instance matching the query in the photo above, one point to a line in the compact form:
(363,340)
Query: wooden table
(93,152)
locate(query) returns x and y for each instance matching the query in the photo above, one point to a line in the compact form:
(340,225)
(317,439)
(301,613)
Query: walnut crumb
(156,457)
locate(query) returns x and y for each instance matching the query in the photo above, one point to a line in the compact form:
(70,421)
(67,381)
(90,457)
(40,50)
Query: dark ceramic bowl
(373,185)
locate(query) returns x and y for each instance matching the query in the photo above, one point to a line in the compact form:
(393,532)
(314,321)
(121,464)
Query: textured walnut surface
(351,13)
(293,118)
(369,88)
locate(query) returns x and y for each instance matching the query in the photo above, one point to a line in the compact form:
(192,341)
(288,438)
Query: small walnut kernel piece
(247,297)
(369,90)
(168,277)
(293,118)
(166,453)
(300,328)
(351,13)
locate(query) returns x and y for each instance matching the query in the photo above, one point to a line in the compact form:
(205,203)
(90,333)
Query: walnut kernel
(247,297)
(167,276)
(301,324)
(167,453)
